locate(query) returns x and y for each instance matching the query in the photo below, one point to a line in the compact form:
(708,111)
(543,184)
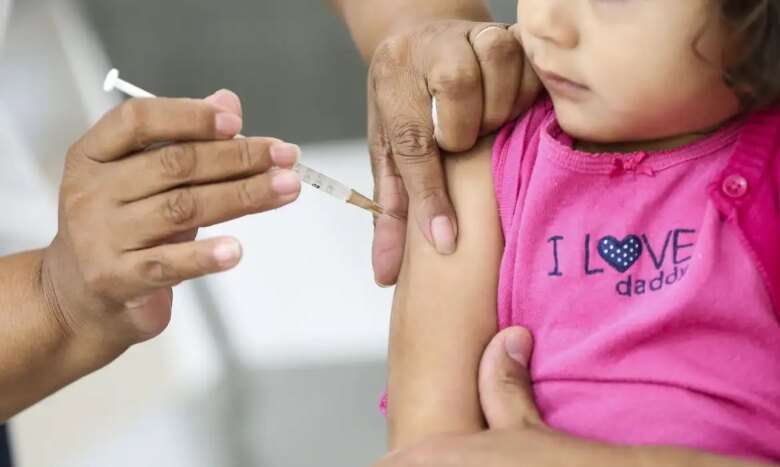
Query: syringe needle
(309,176)
(364,202)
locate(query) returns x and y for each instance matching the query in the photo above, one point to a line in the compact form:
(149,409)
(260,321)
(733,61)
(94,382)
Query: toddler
(638,201)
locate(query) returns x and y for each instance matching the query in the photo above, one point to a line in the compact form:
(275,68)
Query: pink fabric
(651,310)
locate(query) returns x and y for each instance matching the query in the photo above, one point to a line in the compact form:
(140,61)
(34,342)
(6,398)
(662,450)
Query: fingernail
(228,124)
(518,345)
(225,99)
(285,182)
(443,235)
(381,285)
(227,253)
(489,28)
(285,154)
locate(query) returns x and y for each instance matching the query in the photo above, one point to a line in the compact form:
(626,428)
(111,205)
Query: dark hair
(753,59)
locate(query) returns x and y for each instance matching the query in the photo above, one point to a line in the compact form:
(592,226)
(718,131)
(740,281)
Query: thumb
(504,383)
(225,99)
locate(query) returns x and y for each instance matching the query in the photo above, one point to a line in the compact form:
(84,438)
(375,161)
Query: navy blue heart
(621,255)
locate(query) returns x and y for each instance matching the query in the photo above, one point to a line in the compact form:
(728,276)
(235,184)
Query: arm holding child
(517,436)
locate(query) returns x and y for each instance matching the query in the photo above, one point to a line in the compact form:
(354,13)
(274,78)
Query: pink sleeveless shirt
(649,283)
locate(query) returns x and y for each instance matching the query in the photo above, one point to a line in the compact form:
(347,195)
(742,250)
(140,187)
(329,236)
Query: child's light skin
(648,73)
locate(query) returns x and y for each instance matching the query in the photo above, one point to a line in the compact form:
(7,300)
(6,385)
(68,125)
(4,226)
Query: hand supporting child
(517,436)
(479,76)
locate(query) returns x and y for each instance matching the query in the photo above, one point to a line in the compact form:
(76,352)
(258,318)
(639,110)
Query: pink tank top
(652,320)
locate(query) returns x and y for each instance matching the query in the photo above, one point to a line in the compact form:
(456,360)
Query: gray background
(292,61)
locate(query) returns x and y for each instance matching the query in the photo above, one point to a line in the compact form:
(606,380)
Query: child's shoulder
(758,145)
(529,122)
(518,136)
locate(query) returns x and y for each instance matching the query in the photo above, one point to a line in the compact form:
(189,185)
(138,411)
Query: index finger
(139,123)
(403,104)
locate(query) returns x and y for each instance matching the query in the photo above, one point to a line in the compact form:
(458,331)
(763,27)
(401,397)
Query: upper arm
(444,312)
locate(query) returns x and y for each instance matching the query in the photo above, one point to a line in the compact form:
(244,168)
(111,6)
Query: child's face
(629,70)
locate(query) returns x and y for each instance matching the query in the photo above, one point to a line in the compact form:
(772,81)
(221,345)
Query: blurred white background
(279,362)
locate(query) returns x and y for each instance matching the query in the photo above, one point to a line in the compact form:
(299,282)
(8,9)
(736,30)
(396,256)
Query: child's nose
(553,21)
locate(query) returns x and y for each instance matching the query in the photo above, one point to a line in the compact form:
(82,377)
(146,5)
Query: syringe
(308,175)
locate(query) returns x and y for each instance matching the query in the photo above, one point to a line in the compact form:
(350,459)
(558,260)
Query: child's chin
(588,130)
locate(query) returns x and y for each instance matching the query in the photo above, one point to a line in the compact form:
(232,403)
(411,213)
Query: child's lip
(560,83)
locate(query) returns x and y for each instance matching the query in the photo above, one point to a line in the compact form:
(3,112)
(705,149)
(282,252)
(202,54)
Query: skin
(483,79)
(594,42)
(129,212)
(477,71)
(517,437)
(443,314)
(438,330)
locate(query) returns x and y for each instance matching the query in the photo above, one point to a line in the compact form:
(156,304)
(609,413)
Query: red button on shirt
(735,186)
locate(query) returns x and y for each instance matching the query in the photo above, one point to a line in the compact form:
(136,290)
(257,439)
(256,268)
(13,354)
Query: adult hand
(130,208)
(478,75)
(517,436)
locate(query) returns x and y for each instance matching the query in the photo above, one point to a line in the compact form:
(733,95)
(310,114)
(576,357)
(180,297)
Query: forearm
(585,453)
(548,447)
(372,21)
(38,355)
(675,457)
(444,314)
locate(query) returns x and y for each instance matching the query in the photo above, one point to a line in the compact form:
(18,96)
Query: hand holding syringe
(309,176)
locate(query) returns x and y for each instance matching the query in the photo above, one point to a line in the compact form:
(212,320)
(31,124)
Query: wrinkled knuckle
(250,197)
(455,81)
(180,207)
(394,50)
(134,114)
(379,146)
(496,45)
(73,204)
(413,141)
(157,271)
(246,161)
(392,54)
(98,280)
(179,161)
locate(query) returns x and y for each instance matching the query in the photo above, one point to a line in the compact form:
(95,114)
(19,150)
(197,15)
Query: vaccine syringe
(308,175)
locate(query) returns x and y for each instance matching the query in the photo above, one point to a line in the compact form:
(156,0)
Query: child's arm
(444,312)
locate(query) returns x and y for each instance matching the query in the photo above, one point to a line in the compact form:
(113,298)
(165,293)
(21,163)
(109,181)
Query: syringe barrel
(322,182)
